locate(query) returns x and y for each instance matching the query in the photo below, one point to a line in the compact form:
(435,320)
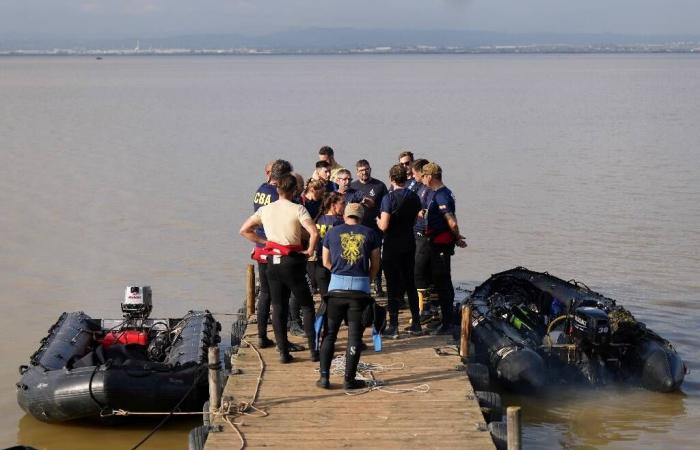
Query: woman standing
(332,215)
(283,222)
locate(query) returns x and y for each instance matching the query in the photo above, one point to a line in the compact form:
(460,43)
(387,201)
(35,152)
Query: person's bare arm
(248,230)
(374,260)
(383,220)
(326,257)
(454,227)
(310,228)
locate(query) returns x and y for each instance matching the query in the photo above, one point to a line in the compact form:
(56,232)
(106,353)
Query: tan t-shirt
(282,221)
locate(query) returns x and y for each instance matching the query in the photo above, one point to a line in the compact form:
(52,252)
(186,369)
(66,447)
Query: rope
(244,407)
(366,372)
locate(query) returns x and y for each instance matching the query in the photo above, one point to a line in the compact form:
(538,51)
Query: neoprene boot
(392,330)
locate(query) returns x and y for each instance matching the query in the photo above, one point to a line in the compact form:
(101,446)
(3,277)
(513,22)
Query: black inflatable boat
(533,329)
(89,367)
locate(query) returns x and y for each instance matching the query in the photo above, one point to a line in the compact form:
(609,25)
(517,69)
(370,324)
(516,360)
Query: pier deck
(401,415)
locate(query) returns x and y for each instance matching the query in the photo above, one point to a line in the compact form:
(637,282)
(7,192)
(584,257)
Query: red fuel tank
(125,337)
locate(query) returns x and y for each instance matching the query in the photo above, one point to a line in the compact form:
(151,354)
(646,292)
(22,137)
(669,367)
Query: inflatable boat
(533,329)
(87,367)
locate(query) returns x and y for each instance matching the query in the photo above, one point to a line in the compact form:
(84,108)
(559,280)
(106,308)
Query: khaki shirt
(282,221)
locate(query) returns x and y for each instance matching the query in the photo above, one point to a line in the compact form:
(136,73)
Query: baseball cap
(354,210)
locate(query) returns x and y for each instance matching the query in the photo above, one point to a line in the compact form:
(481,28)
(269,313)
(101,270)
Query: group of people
(337,236)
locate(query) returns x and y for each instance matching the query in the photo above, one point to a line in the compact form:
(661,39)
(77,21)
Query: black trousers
(287,277)
(399,266)
(263,308)
(435,259)
(338,310)
(322,277)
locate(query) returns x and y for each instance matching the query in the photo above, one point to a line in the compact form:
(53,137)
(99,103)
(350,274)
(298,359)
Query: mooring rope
(366,372)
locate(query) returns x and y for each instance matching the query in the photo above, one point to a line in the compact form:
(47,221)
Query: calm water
(140,170)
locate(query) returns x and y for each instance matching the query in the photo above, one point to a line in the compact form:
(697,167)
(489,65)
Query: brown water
(140,170)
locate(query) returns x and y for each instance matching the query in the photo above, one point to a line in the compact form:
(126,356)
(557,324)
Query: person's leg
(407,262)
(355,330)
(335,314)
(323,278)
(440,261)
(393,281)
(263,310)
(301,289)
(279,293)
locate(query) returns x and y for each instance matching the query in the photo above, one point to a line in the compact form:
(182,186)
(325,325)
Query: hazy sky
(152,18)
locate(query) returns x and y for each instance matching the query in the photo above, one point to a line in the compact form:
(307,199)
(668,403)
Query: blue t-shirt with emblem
(350,247)
(324,224)
(442,202)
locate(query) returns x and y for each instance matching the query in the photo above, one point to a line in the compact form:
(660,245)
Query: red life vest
(260,254)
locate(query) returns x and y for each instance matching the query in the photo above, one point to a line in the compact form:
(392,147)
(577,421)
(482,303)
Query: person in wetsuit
(399,209)
(283,222)
(333,208)
(264,195)
(351,251)
(435,248)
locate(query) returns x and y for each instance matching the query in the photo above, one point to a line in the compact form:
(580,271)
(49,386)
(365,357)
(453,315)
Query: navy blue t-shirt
(312,206)
(352,196)
(403,205)
(350,247)
(376,190)
(324,224)
(442,202)
(266,194)
(425,194)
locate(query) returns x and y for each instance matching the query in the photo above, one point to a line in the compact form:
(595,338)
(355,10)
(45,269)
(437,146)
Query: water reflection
(124,433)
(585,418)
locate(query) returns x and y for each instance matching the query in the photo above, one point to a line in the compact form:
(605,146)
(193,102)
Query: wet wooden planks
(301,415)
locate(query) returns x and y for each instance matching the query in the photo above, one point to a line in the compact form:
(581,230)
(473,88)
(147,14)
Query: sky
(164,18)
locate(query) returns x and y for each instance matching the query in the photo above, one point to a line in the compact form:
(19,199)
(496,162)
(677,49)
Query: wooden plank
(301,415)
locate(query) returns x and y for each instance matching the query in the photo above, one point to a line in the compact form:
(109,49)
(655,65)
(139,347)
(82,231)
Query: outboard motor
(590,331)
(138,302)
(591,327)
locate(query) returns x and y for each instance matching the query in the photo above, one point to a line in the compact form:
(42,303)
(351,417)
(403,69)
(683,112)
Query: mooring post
(466,331)
(214,385)
(513,426)
(250,290)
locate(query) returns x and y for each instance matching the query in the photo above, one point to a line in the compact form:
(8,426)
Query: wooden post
(250,290)
(214,386)
(466,331)
(513,426)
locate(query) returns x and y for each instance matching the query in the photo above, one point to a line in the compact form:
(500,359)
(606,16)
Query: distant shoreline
(483,50)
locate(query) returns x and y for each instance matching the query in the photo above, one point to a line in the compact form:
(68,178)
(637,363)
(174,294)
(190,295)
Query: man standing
(435,249)
(326,153)
(406,160)
(266,194)
(283,222)
(398,215)
(352,195)
(373,191)
(322,172)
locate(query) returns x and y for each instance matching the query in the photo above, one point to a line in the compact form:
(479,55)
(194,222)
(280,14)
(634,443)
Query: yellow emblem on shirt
(351,245)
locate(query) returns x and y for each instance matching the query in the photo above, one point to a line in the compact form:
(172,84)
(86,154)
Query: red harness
(260,254)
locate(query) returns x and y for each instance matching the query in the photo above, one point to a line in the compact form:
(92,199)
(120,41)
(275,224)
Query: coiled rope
(366,371)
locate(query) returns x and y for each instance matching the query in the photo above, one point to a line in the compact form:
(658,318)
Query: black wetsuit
(266,194)
(287,275)
(398,256)
(339,309)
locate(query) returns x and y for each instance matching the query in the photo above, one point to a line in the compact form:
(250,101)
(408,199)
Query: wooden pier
(425,400)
